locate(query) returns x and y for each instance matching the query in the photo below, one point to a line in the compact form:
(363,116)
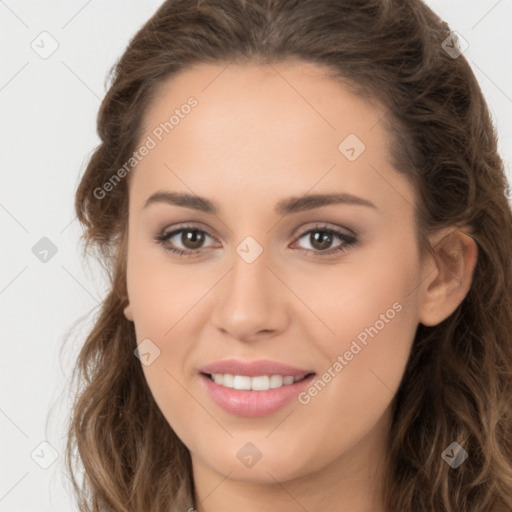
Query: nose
(253,303)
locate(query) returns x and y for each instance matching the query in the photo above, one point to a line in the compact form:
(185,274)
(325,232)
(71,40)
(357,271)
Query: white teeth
(259,383)
(227,380)
(276,381)
(241,382)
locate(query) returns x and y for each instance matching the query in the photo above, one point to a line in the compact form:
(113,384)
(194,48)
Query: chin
(269,465)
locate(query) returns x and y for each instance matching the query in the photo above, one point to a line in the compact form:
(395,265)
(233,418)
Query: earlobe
(128,312)
(446,287)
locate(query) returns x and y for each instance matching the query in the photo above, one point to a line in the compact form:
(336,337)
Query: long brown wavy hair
(458,382)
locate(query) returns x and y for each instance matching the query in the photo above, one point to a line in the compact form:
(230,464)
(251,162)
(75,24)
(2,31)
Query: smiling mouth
(256,383)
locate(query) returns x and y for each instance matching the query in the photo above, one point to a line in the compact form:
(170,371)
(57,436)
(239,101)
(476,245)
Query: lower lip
(253,404)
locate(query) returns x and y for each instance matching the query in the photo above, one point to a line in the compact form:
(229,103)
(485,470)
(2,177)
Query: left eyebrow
(308,202)
(284,207)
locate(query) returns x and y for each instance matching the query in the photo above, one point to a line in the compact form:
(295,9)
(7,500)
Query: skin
(259,135)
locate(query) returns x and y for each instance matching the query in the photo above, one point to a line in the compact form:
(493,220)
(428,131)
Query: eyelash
(348,240)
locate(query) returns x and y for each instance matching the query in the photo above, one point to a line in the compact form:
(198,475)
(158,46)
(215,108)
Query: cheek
(161,292)
(166,304)
(374,318)
(369,297)
(366,359)
(375,311)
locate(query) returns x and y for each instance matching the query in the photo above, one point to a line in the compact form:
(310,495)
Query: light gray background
(48,112)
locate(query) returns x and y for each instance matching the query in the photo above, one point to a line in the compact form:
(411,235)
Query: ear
(128,312)
(446,285)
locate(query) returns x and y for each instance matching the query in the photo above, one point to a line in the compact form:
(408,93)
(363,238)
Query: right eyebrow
(182,199)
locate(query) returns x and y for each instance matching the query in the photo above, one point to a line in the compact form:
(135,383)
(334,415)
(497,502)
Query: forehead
(267,97)
(264,128)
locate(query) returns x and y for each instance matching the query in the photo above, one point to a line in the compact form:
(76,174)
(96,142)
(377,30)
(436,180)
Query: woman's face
(274,285)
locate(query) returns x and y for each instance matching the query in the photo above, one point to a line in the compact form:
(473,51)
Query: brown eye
(185,241)
(320,240)
(192,238)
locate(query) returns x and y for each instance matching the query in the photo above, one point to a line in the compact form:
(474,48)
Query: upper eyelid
(325,227)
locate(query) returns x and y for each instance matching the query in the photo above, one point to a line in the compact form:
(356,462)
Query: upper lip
(253,368)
